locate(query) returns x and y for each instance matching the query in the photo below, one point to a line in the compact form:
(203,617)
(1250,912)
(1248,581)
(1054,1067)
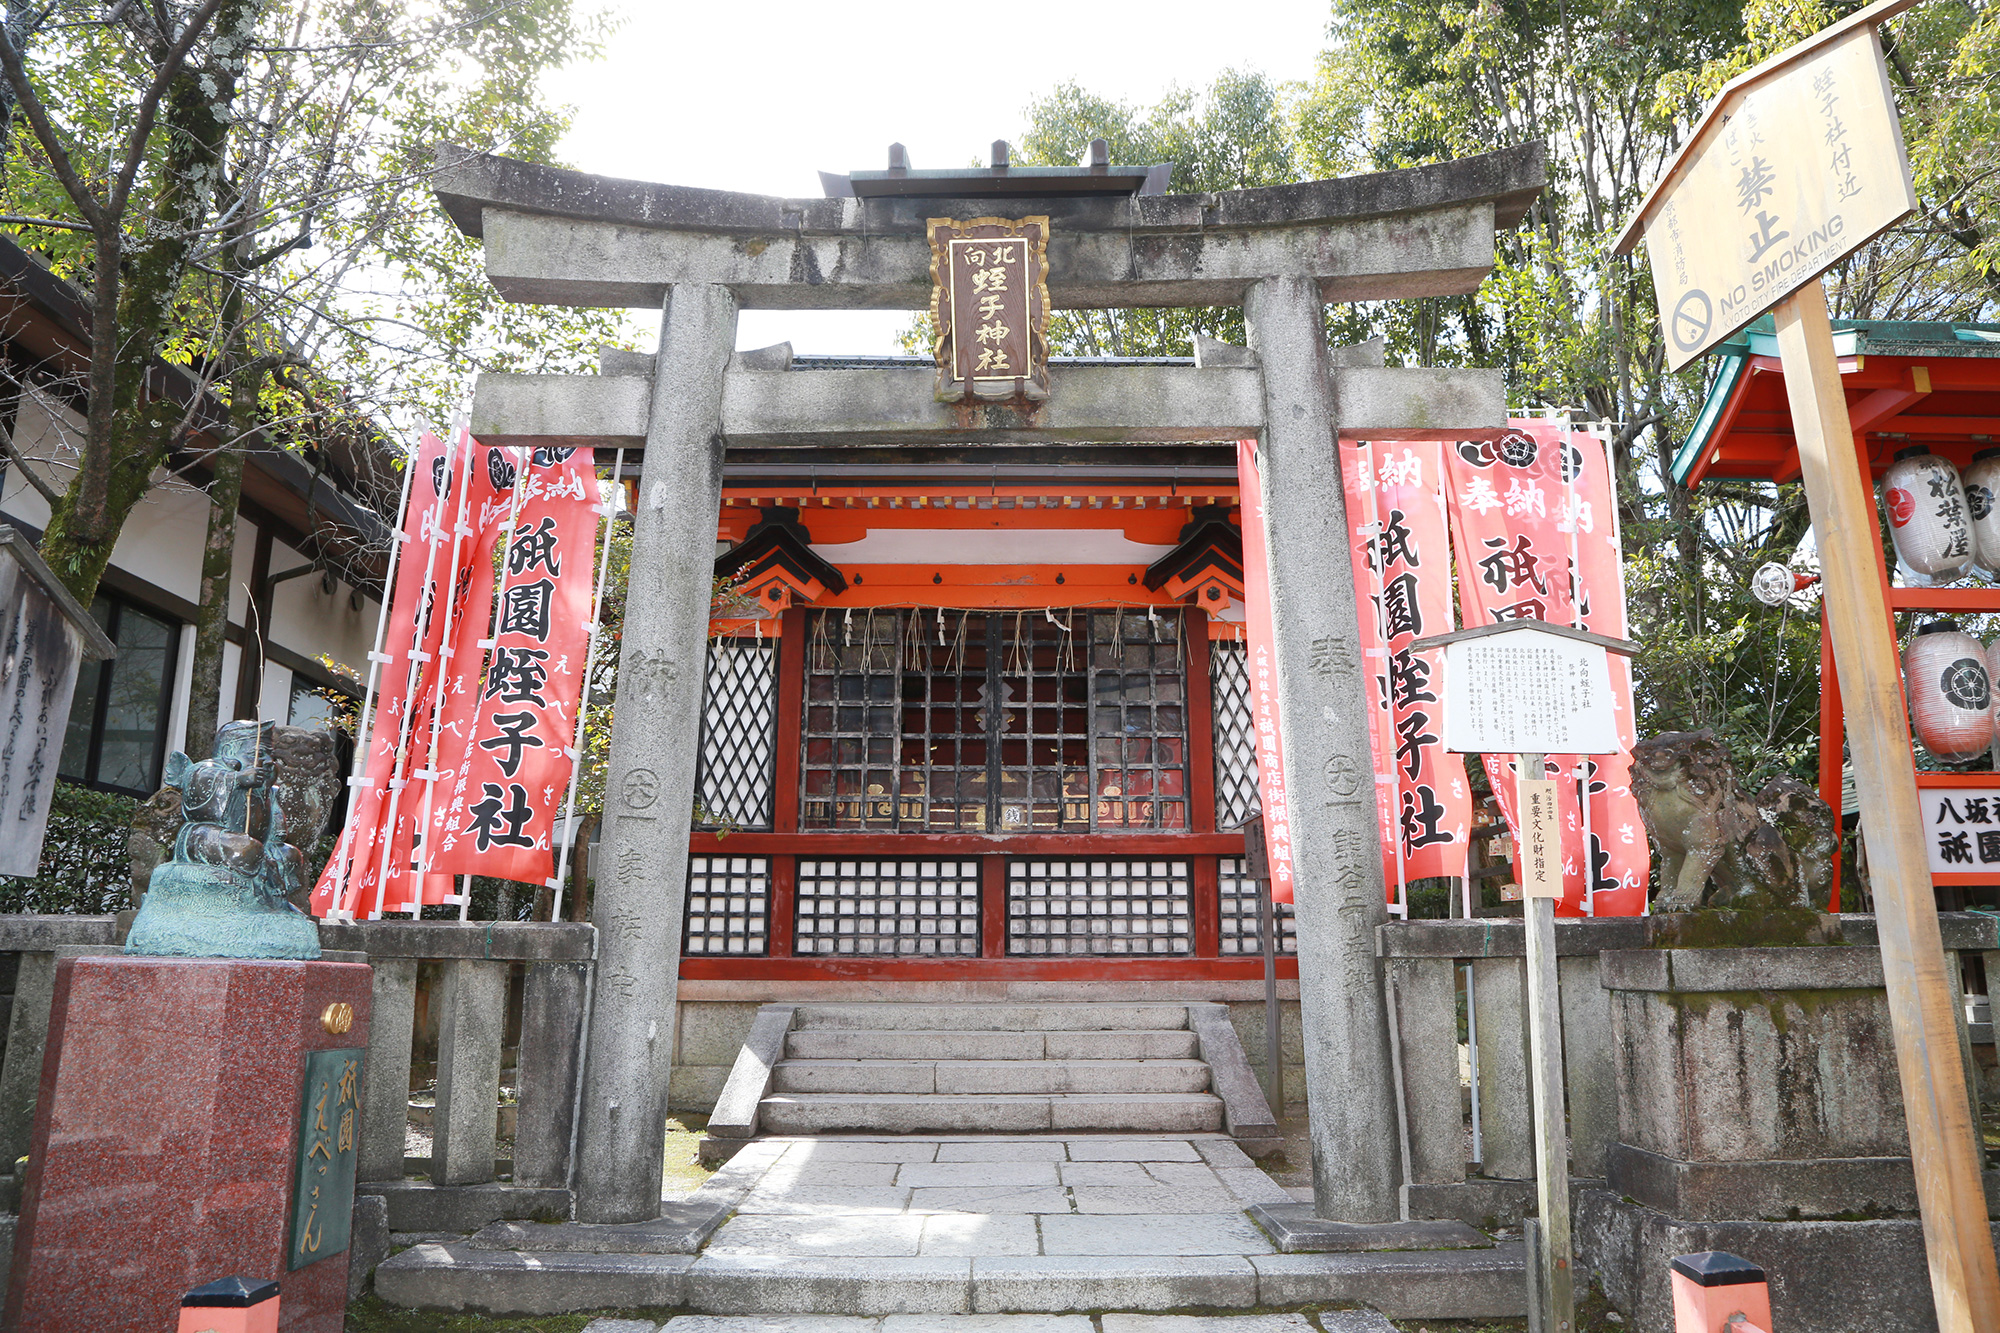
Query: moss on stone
(1771,928)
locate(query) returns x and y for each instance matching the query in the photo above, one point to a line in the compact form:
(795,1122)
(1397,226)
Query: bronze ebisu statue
(237,861)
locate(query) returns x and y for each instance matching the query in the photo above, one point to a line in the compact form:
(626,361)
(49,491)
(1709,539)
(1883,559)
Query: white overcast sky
(763,96)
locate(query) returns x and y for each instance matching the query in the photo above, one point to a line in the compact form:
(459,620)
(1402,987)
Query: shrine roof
(468,182)
(1907,382)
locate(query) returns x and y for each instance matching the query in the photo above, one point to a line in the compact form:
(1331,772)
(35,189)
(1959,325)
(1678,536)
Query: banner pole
(485,645)
(419,835)
(425,609)
(359,777)
(1564,437)
(583,696)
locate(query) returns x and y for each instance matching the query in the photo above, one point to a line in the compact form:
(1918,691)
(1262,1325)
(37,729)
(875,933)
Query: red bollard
(1719,1292)
(231,1305)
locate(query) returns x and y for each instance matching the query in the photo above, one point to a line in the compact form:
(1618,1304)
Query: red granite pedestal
(166,1140)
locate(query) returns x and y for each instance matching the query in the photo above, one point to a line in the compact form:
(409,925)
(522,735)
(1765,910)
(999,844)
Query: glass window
(310,707)
(1008,721)
(118,715)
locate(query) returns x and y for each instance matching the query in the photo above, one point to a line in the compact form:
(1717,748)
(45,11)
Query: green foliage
(1612,88)
(85,868)
(278,237)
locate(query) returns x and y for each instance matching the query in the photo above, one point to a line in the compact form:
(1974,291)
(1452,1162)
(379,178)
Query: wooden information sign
(328,1146)
(990,303)
(1855,172)
(1799,163)
(1541,838)
(1528,689)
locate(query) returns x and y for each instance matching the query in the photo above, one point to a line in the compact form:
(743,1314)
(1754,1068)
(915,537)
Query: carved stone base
(209,912)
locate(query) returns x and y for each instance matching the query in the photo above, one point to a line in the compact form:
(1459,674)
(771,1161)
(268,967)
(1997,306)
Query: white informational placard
(1962,829)
(1541,838)
(1528,691)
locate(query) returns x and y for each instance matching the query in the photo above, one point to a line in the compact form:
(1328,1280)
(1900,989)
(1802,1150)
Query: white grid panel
(739,718)
(1235,734)
(728,905)
(909,908)
(1239,912)
(1099,907)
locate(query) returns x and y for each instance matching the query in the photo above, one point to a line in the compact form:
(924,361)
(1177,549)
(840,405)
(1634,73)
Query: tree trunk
(211,626)
(579,869)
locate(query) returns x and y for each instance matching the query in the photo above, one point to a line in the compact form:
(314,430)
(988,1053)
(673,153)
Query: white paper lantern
(1993,674)
(1950,692)
(1981,483)
(1928,518)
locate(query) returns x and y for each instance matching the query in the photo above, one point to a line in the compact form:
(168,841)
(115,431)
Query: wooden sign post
(1798,163)
(1534,688)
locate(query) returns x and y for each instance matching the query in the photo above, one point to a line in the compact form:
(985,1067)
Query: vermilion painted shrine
(926,558)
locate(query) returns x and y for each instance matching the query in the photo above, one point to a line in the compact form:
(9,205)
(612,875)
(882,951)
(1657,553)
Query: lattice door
(1235,734)
(739,717)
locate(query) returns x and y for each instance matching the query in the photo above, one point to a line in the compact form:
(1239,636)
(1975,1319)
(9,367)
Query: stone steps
(1451,1284)
(995,1044)
(983,1077)
(991,1113)
(1052,1017)
(990,1068)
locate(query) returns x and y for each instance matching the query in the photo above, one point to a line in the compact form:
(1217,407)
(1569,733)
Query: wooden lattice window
(739,716)
(1004,721)
(1235,744)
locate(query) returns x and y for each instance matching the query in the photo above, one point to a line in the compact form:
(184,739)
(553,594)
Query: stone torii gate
(564,238)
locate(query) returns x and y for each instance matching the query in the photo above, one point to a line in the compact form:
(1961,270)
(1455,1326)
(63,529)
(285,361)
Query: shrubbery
(85,868)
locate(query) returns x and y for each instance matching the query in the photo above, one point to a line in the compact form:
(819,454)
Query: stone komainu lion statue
(1720,848)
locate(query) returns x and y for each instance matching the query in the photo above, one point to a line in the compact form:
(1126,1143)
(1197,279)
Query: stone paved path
(860,1234)
(902,1198)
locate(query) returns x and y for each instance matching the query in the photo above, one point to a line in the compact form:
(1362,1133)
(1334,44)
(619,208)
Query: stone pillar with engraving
(649,791)
(1323,707)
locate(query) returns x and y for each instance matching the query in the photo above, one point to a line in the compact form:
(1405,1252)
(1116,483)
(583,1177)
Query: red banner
(511,710)
(1536,523)
(459,492)
(1263,677)
(1402,578)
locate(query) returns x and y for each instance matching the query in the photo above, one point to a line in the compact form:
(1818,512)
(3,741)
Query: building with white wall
(308,559)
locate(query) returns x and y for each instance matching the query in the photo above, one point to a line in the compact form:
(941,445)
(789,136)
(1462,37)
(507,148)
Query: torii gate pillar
(1323,723)
(649,790)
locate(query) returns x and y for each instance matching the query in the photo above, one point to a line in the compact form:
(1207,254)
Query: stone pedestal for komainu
(564,238)
(1759,1113)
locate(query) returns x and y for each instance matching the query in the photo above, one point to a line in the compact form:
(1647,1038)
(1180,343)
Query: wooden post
(1555,1303)
(1257,869)
(1965,1283)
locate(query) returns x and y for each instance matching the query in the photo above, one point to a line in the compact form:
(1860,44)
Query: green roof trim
(1851,337)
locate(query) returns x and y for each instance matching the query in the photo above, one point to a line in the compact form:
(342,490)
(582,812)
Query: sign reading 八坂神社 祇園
(1804,165)
(990,304)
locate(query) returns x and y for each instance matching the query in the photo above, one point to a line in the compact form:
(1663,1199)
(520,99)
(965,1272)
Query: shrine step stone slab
(1058,1017)
(1441,1284)
(682,1228)
(975,1077)
(912,1113)
(460,1277)
(1145,1283)
(1296,1231)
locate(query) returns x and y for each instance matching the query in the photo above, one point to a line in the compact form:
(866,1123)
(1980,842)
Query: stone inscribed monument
(45,636)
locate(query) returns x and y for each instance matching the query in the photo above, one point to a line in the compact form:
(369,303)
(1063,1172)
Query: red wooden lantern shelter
(1935,385)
